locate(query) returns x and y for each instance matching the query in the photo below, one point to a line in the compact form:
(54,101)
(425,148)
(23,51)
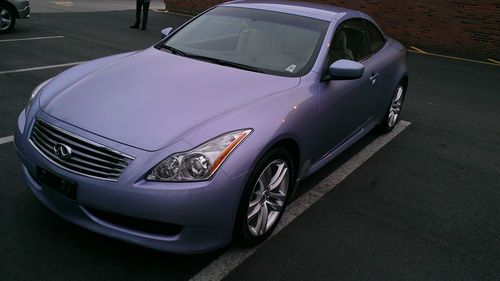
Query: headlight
(199,163)
(33,96)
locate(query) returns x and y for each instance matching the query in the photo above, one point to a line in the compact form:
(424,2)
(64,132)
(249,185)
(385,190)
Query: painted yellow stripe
(454,58)
(494,61)
(418,50)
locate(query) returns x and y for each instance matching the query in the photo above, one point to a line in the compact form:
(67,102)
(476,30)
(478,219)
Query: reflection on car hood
(152,98)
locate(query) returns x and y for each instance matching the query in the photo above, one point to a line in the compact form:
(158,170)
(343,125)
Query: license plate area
(49,180)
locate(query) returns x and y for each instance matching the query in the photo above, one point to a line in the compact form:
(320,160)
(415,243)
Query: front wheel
(7,19)
(265,197)
(392,115)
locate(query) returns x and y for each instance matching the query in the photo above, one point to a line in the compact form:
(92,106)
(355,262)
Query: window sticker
(291,68)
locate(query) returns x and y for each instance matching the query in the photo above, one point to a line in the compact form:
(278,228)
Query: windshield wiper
(174,51)
(230,64)
(225,63)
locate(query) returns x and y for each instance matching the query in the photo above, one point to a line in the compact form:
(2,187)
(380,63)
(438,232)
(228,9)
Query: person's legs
(145,10)
(137,14)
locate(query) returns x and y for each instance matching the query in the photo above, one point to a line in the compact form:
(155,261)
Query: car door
(380,60)
(346,105)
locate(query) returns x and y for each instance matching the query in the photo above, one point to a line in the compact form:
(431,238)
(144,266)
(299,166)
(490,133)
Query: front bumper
(23,9)
(205,210)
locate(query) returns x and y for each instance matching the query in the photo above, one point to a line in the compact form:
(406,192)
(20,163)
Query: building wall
(466,28)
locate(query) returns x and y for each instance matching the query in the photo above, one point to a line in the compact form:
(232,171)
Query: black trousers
(144,6)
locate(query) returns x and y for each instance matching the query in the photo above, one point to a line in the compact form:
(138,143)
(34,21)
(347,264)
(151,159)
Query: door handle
(373,77)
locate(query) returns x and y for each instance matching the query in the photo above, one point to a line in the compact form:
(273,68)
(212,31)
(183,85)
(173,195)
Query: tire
(391,116)
(271,201)
(7,19)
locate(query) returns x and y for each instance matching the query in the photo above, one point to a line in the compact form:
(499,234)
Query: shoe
(143,28)
(134,26)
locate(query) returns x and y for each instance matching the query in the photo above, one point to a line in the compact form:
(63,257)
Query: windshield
(255,40)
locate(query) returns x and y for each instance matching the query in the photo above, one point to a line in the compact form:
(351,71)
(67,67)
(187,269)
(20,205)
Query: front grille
(86,157)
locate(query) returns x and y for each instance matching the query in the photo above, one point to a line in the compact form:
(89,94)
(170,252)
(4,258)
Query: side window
(349,42)
(377,41)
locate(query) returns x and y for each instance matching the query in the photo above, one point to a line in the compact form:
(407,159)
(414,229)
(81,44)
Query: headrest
(340,41)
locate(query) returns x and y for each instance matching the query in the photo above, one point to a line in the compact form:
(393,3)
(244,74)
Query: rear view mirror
(346,70)
(165,32)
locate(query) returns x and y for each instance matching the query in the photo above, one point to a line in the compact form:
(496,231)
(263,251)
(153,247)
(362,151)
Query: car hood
(152,98)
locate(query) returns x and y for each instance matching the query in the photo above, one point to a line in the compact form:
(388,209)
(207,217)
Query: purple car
(201,139)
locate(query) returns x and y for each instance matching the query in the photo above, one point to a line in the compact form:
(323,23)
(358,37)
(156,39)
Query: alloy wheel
(395,109)
(268,198)
(5,18)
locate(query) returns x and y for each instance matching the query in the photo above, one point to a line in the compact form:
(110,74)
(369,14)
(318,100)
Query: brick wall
(466,28)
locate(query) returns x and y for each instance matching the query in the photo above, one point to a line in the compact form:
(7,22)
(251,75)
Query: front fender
(288,115)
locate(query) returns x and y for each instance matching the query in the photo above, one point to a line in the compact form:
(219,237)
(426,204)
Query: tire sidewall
(242,235)
(12,22)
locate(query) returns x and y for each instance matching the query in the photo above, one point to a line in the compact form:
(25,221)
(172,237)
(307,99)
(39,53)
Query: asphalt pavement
(425,207)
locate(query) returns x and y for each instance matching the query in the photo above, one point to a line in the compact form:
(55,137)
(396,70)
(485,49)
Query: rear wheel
(265,197)
(392,115)
(7,19)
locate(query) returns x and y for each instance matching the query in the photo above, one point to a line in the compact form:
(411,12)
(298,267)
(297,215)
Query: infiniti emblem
(62,151)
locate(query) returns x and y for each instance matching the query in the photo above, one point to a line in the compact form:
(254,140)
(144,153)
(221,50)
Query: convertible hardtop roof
(312,10)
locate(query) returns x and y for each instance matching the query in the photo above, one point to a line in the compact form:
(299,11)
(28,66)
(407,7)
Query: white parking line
(63,3)
(40,67)
(172,13)
(222,266)
(5,140)
(31,38)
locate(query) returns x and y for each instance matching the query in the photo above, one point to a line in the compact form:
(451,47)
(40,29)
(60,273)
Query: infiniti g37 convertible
(201,139)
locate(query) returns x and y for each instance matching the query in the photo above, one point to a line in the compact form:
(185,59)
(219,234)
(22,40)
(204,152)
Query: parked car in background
(201,139)
(10,10)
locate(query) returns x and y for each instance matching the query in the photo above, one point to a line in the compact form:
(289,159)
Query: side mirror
(346,70)
(165,32)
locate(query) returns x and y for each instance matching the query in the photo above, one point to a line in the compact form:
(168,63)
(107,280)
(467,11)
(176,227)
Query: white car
(10,10)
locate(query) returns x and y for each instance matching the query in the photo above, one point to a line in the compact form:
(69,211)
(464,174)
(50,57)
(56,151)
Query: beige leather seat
(339,48)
